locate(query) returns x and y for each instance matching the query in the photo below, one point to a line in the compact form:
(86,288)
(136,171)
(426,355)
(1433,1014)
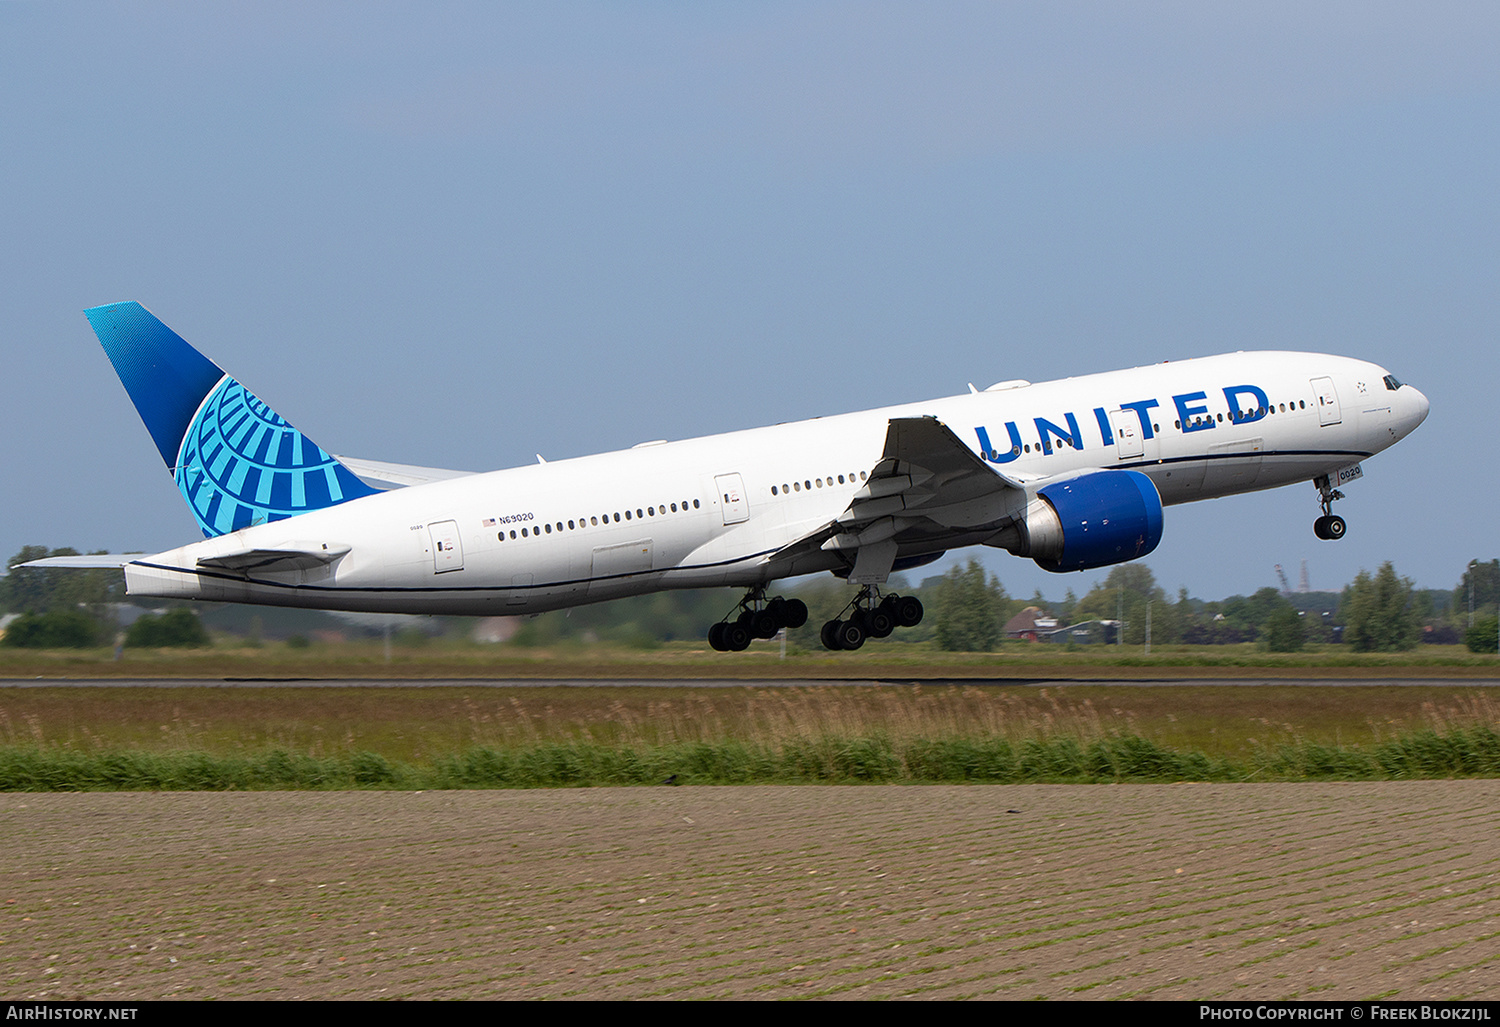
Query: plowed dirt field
(1190,891)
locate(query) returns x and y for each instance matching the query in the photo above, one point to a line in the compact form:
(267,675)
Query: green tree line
(967,610)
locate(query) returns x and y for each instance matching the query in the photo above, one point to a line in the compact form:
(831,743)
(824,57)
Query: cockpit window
(1391,382)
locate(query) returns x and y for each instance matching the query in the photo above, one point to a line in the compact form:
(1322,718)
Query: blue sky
(463,234)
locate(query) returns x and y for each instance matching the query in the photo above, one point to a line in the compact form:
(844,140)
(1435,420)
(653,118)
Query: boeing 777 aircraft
(1072,474)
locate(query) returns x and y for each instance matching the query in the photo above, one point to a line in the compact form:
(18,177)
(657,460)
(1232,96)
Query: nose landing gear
(1330,526)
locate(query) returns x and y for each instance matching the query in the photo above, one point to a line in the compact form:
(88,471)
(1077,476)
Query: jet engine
(1093,520)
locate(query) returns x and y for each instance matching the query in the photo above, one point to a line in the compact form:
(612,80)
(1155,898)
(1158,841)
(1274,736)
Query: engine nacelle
(1090,521)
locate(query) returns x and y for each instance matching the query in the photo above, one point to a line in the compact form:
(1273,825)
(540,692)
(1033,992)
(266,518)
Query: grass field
(459,736)
(462,659)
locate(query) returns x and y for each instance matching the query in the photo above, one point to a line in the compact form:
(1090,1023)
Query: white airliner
(1072,473)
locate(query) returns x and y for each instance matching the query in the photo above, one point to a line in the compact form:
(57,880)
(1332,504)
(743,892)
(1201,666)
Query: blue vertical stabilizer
(236,461)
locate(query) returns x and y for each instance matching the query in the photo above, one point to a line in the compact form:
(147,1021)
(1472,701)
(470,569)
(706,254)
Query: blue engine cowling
(1100,519)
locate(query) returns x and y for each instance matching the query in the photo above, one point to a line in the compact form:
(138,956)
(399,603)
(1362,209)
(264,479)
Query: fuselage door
(1127,425)
(731,490)
(447,550)
(1328,401)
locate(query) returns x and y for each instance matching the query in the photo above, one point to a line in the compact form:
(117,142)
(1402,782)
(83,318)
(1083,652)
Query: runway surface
(1188,891)
(718,682)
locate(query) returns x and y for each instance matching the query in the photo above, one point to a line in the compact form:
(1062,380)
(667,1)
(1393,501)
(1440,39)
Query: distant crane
(1286,586)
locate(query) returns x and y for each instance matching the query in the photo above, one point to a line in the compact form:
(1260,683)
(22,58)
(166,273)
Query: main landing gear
(1330,526)
(758,618)
(871,619)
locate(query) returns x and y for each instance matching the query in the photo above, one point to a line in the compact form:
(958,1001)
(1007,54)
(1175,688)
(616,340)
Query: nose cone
(1414,407)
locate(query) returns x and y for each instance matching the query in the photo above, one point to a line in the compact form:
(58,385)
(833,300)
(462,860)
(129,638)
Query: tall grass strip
(822,759)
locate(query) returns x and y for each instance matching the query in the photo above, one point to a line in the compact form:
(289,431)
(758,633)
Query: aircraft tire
(716,637)
(908,611)
(830,636)
(736,637)
(1335,528)
(794,613)
(880,621)
(851,634)
(1320,527)
(765,624)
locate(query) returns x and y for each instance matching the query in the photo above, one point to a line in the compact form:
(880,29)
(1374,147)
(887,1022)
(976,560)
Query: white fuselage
(711,511)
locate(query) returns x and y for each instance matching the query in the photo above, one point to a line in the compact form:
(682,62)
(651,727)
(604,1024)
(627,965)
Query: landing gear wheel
(794,613)
(765,623)
(908,610)
(880,622)
(851,634)
(716,637)
(736,637)
(830,635)
(1330,528)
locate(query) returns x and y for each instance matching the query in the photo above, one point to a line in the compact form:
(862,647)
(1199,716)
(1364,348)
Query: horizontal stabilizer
(304,556)
(385,476)
(84,563)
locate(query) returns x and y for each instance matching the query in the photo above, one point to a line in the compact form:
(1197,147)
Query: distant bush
(1481,638)
(1283,632)
(58,629)
(176,628)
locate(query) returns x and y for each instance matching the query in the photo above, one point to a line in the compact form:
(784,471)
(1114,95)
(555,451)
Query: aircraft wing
(927,483)
(385,476)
